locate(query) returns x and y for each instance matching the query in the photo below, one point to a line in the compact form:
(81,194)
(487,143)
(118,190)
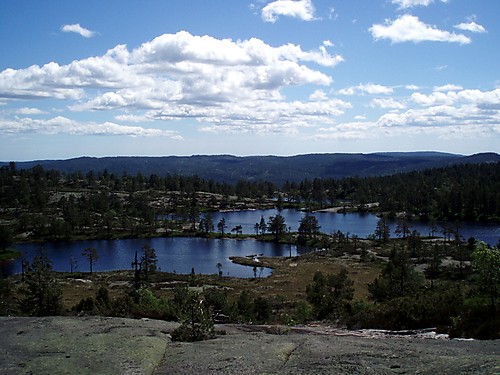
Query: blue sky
(256,77)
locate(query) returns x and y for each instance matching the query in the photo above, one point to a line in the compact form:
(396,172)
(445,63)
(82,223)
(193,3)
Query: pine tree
(91,254)
(42,294)
(148,261)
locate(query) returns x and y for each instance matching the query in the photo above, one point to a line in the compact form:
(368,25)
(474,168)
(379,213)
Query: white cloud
(386,103)
(460,115)
(470,26)
(182,76)
(332,14)
(346,131)
(442,120)
(448,87)
(301,9)
(318,95)
(29,111)
(475,97)
(63,125)
(408,28)
(412,87)
(404,4)
(286,117)
(369,88)
(76,28)
(175,67)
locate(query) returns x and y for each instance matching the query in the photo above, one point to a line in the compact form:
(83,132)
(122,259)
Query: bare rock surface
(94,345)
(320,350)
(71,345)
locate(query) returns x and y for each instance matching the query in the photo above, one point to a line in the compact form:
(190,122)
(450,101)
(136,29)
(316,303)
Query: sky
(247,77)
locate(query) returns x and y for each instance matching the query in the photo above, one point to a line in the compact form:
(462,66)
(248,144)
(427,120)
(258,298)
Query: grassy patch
(9,254)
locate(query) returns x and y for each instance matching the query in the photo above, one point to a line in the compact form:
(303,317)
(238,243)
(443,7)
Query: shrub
(146,305)
(303,312)
(197,323)
(330,295)
(42,294)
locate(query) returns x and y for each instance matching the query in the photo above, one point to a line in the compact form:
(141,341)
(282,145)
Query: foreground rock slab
(321,351)
(94,345)
(70,345)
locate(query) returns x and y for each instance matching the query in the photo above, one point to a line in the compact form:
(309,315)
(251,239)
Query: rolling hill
(277,169)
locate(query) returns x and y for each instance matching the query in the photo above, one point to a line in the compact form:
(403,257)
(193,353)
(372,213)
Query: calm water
(361,225)
(180,254)
(175,254)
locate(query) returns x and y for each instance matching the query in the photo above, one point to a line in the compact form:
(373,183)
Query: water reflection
(360,224)
(180,254)
(175,254)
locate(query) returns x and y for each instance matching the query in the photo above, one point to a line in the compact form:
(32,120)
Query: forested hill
(276,169)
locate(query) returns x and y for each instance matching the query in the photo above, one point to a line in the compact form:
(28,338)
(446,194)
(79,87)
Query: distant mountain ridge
(277,169)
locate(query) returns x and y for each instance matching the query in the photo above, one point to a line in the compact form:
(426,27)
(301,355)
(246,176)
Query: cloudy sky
(247,77)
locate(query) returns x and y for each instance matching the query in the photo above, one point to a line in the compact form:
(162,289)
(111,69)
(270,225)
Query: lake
(360,224)
(181,254)
(175,254)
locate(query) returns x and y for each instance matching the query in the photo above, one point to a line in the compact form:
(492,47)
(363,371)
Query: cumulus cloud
(475,97)
(285,117)
(63,125)
(408,28)
(448,87)
(470,26)
(29,111)
(301,9)
(404,4)
(459,114)
(179,66)
(386,103)
(368,88)
(186,77)
(356,130)
(229,86)
(76,28)
(318,95)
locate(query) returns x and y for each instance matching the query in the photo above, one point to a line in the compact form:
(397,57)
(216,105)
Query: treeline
(459,192)
(49,204)
(31,186)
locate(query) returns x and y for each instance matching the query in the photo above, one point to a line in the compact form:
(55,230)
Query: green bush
(261,309)
(477,320)
(197,323)
(244,308)
(330,295)
(303,312)
(146,305)
(217,301)
(361,315)
(41,292)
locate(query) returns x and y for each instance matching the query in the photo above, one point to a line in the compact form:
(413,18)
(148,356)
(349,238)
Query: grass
(9,254)
(287,283)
